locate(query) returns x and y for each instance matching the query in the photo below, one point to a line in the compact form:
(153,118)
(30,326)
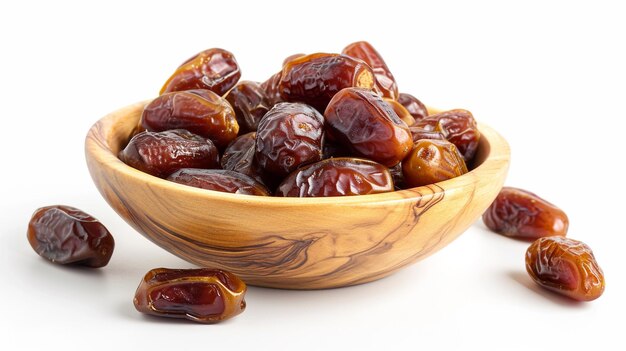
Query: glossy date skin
(360,120)
(239,157)
(314,79)
(565,266)
(162,153)
(213,69)
(200,111)
(458,127)
(342,176)
(250,103)
(219,180)
(521,214)
(420,133)
(272,90)
(385,81)
(412,104)
(67,235)
(401,111)
(432,161)
(289,135)
(201,295)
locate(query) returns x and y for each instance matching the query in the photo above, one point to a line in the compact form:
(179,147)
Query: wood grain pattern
(295,243)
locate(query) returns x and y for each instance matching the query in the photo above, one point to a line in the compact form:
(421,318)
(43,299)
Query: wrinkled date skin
(412,104)
(397,176)
(239,157)
(458,127)
(250,103)
(314,79)
(219,180)
(289,135)
(401,111)
(162,153)
(432,161)
(201,112)
(67,235)
(201,295)
(420,133)
(340,176)
(272,89)
(360,120)
(214,69)
(385,81)
(521,214)
(565,266)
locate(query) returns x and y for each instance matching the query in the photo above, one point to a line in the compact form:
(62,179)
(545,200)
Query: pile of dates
(324,125)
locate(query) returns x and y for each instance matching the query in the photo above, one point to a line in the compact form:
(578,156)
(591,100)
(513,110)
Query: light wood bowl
(295,243)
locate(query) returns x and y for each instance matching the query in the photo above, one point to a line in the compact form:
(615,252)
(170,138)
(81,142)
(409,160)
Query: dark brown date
(250,103)
(337,177)
(67,235)
(239,157)
(360,120)
(415,107)
(521,214)
(219,180)
(201,112)
(402,112)
(314,79)
(565,266)
(213,69)
(420,133)
(397,176)
(289,135)
(162,153)
(271,88)
(432,161)
(201,295)
(385,81)
(458,127)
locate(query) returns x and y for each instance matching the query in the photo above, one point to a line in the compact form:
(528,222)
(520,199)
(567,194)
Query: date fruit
(565,266)
(314,79)
(200,111)
(219,180)
(214,69)
(385,81)
(521,214)
(239,157)
(432,161)
(360,120)
(401,111)
(67,235)
(201,295)
(271,88)
(420,133)
(250,103)
(458,127)
(162,153)
(339,176)
(415,107)
(289,135)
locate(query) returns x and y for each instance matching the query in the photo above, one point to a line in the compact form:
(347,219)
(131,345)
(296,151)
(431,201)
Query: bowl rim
(98,151)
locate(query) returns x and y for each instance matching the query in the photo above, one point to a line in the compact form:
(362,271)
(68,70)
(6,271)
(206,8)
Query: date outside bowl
(293,243)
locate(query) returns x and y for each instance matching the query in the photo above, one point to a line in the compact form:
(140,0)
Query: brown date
(397,176)
(201,295)
(314,79)
(385,81)
(271,88)
(401,111)
(214,69)
(289,135)
(67,235)
(521,214)
(239,157)
(458,127)
(415,107)
(250,103)
(162,153)
(200,111)
(219,180)
(565,266)
(360,120)
(339,176)
(420,133)
(432,161)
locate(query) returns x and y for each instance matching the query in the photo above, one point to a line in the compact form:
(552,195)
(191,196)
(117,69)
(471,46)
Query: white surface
(549,77)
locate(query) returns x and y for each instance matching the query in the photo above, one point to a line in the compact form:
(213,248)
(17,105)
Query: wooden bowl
(295,243)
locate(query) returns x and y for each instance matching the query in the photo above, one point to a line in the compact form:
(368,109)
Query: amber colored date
(420,133)
(250,103)
(339,176)
(289,135)
(521,214)
(385,81)
(314,79)
(219,180)
(67,235)
(458,127)
(162,153)
(214,69)
(360,120)
(201,295)
(432,161)
(401,111)
(565,266)
(412,104)
(200,111)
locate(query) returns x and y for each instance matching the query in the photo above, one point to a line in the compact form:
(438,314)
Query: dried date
(432,161)
(219,180)
(412,104)
(385,81)
(401,111)
(271,88)
(239,157)
(250,103)
(420,133)
(458,127)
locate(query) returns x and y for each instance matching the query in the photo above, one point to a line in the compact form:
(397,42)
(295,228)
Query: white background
(550,77)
